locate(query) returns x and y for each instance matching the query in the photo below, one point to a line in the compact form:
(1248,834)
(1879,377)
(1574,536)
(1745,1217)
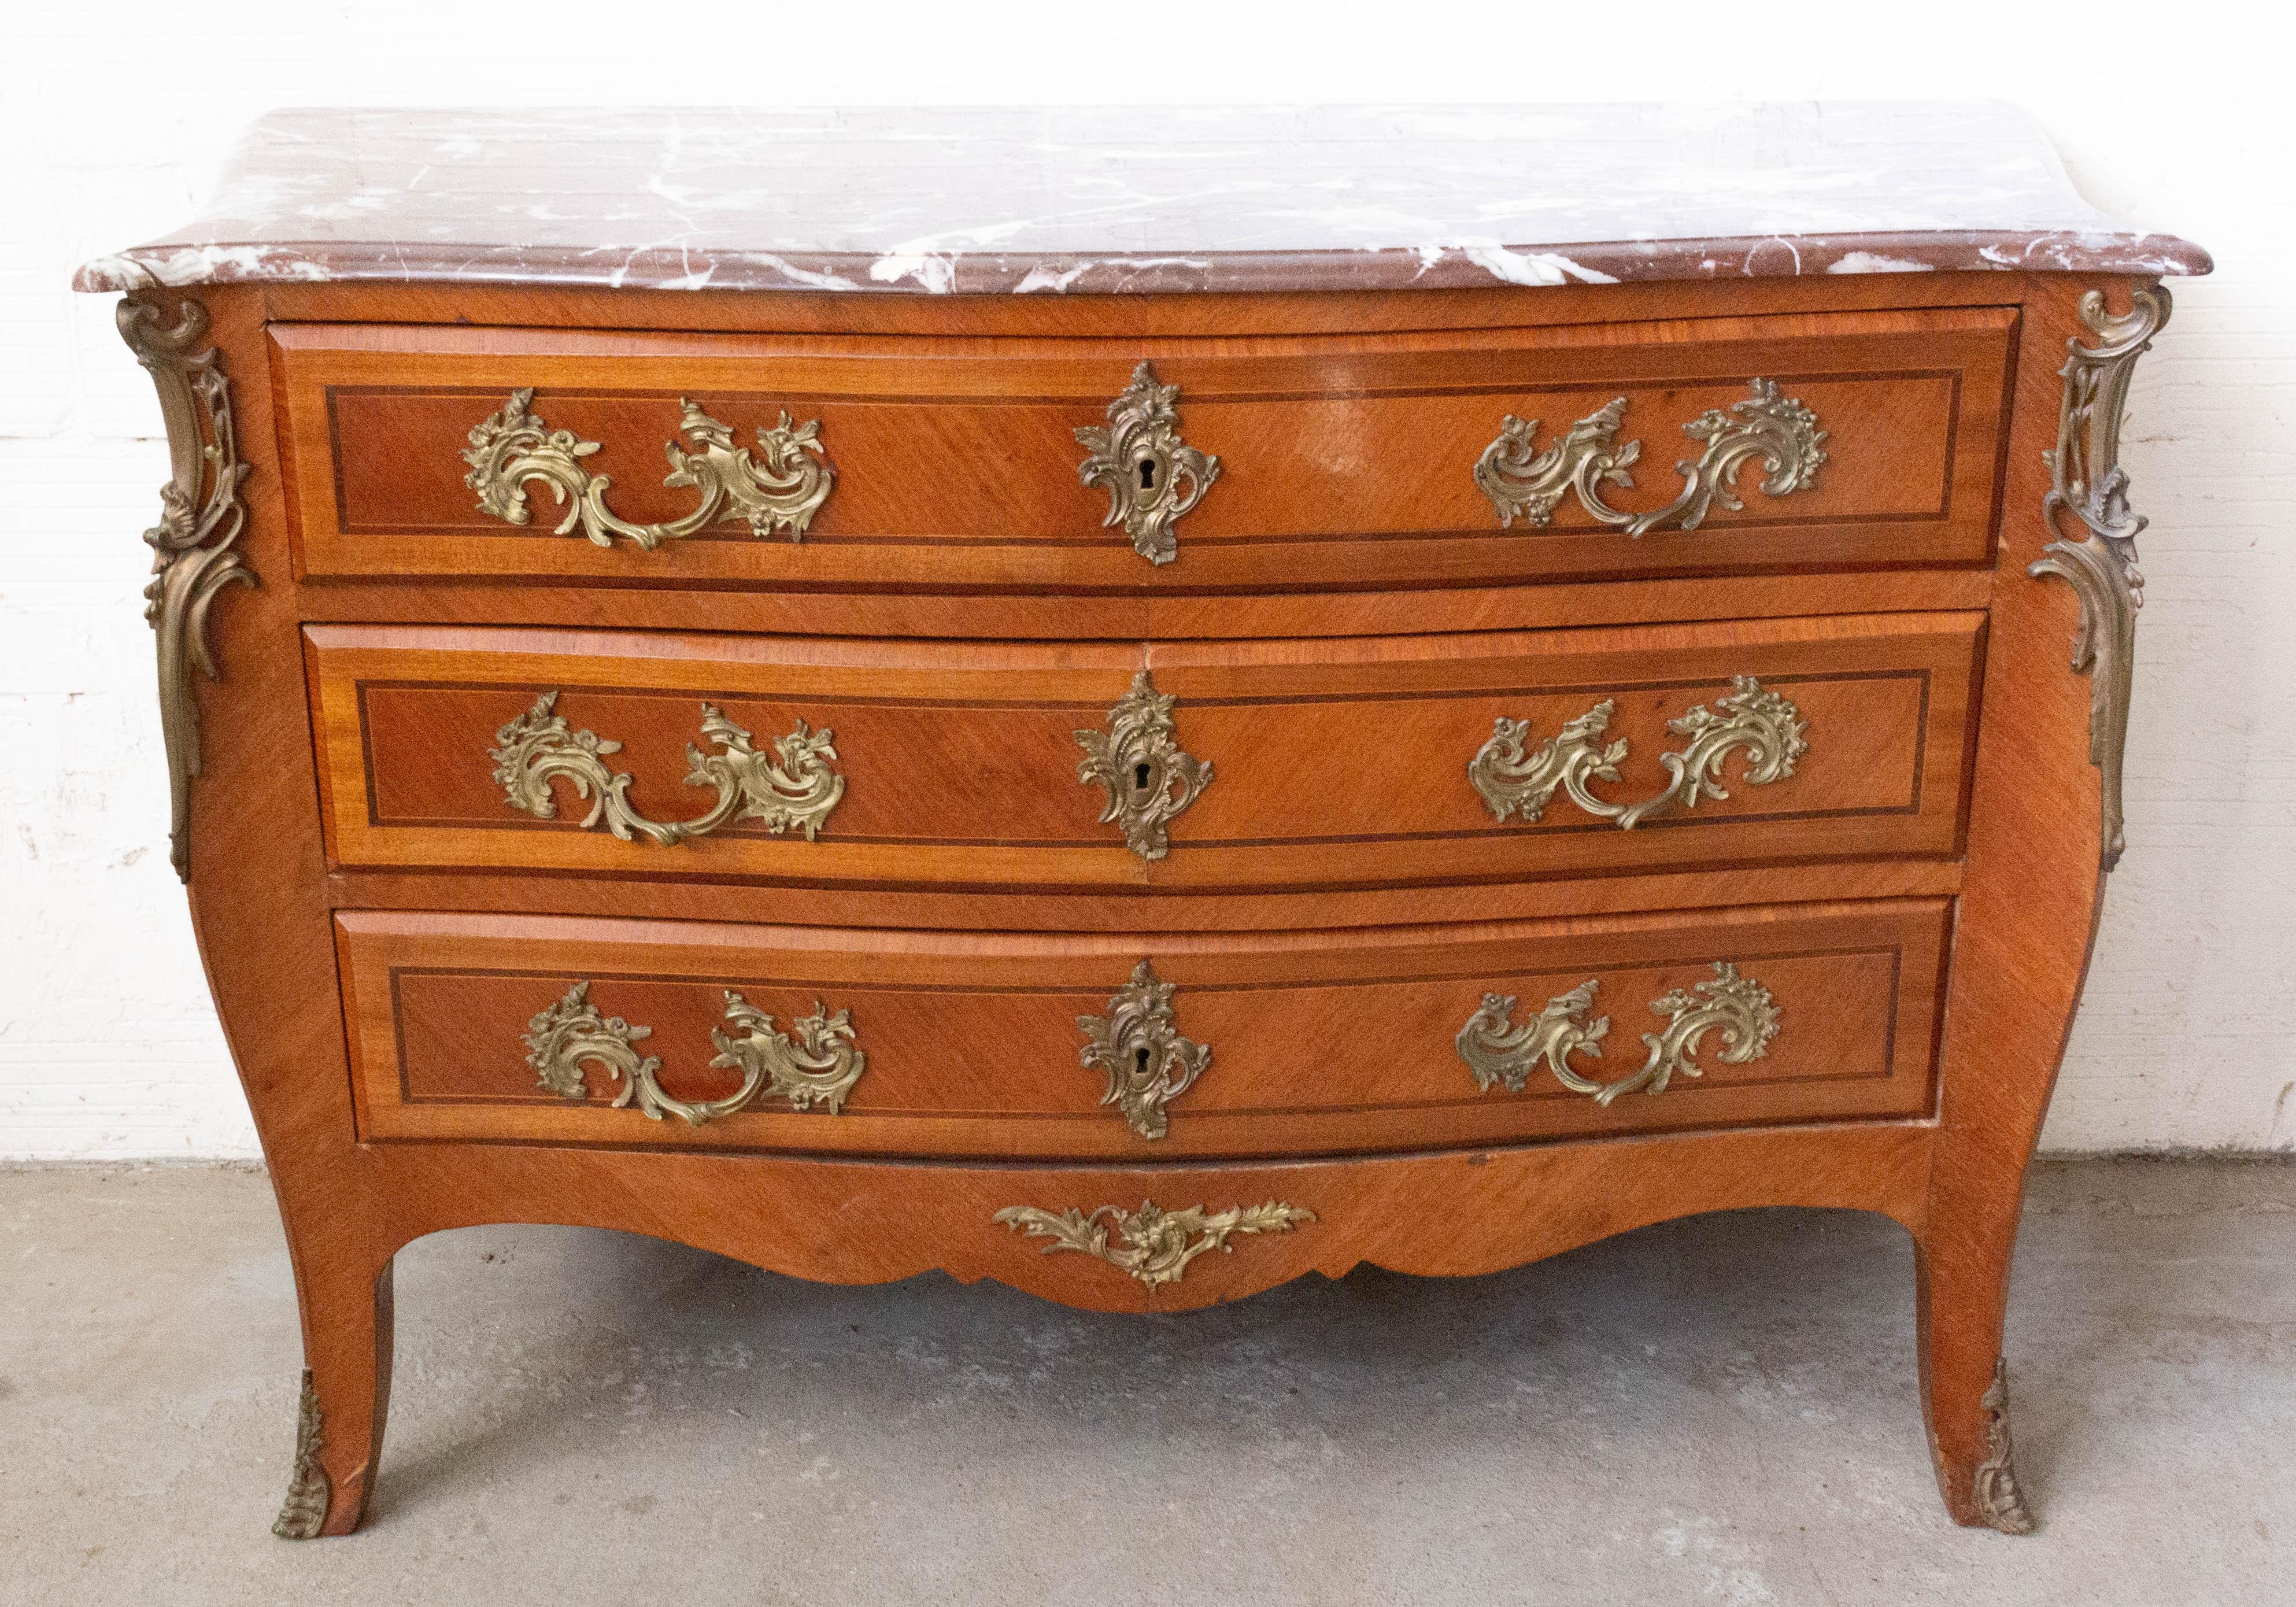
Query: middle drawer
(1212,766)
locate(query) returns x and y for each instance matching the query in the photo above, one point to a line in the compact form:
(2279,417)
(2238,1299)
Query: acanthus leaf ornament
(303,1515)
(2089,485)
(1519,479)
(1151,476)
(818,1066)
(513,447)
(1150,779)
(1999,1502)
(1500,1054)
(1763,723)
(1152,1244)
(1138,1046)
(794,787)
(196,545)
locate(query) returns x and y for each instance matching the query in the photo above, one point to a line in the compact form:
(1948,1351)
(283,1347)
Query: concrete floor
(1717,1410)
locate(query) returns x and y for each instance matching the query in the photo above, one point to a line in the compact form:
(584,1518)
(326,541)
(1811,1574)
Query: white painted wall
(113,118)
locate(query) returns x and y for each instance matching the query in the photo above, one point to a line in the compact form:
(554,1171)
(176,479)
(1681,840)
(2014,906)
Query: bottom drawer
(552,1029)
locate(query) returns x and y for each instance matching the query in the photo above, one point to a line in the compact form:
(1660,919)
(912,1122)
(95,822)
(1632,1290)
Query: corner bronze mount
(196,545)
(1999,1502)
(1521,479)
(309,1492)
(2099,560)
(1151,476)
(1138,1046)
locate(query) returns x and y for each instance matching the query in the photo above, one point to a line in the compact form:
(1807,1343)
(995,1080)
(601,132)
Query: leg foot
(346,1324)
(2000,1504)
(1961,1288)
(308,1490)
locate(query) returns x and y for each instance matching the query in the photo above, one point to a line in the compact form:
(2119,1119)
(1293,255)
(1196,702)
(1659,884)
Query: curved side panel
(1447,1214)
(248,838)
(2030,902)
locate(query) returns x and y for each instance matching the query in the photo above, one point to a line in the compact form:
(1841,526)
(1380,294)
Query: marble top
(1085,200)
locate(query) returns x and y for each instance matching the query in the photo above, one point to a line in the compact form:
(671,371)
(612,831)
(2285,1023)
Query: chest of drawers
(1284,751)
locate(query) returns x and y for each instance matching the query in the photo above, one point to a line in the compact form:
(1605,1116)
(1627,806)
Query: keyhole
(1139,778)
(1147,474)
(1140,1062)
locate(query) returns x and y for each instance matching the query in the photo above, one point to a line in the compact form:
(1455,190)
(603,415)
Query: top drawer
(1845,440)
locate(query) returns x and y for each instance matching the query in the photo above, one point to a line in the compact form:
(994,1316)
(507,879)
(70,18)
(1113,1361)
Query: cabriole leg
(1961,1292)
(347,1330)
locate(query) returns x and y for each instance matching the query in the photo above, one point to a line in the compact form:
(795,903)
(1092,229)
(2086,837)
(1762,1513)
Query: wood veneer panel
(1344,460)
(1322,1042)
(1334,764)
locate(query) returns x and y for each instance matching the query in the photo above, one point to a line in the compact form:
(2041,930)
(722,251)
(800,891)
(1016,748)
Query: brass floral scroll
(1138,1045)
(1519,479)
(818,1066)
(1999,1501)
(1154,1245)
(1500,1054)
(512,449)
(196,545)
(1516,782)
(1151,476)
(793,789)
(303,1515)
(2090,488)
(1150,779)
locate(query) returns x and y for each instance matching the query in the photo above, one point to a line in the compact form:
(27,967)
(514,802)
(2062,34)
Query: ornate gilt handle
(1499,1054)
(1152,1244)
(819,1066)
(1520,479)
(794,788)
(1151,475)
(1149,777)
(513,449)
(1766,725)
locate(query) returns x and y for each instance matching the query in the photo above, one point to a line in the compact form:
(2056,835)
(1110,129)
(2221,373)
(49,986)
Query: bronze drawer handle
(819,1066)
(794,788)
(1149,777)
(1765,724)
(1498,1052)
(1152,1244)
(1137,1044)
(1151,475)
(1518,479)
(512,449)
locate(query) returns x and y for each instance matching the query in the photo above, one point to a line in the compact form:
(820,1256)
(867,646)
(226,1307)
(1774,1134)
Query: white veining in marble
(1063,200)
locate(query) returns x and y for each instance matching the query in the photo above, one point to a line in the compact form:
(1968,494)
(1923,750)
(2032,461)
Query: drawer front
(1342,461)
(1218,767)
(530,1028)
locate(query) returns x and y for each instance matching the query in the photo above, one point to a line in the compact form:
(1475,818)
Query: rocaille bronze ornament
(1151,476)
(819,1065)
(793,789)
(2096,553)
(1502,1055)
(1514,781)
(1519,479)
(196,545)
(512,449)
